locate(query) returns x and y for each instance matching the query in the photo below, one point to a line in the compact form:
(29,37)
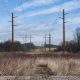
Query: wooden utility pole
(26,38)
(45,43)
(30,38)
(49,42)
(23,40)
(12,32)
(6,40)
(64,42)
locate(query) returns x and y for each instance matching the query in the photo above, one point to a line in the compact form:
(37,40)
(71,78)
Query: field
(28,64)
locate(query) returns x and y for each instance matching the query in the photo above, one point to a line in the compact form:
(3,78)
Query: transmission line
(5,7)
(55,22)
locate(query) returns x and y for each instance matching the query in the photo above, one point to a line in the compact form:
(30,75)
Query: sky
(39,18)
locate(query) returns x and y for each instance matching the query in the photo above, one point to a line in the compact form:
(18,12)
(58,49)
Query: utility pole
(30,38)
(26,38)
(45,43)
(12,32)
(49,42)
(23,40)
(64,42)
(6,40)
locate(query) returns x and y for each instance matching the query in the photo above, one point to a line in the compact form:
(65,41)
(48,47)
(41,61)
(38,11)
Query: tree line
(73,45)
(7,46)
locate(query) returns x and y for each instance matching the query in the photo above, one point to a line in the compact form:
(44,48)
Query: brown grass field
(25,64)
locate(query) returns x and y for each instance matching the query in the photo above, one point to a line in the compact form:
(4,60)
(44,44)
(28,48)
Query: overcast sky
(39,17)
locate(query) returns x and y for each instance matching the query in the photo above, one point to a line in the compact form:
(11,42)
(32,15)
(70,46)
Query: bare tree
(77,35)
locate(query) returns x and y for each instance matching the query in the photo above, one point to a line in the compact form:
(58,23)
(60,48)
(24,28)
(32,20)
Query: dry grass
(23,65)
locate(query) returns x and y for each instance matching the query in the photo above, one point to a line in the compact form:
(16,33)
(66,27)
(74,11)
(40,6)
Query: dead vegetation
(24,65)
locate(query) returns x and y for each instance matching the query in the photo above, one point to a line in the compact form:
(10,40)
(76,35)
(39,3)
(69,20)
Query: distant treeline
(73,45)
(7,46)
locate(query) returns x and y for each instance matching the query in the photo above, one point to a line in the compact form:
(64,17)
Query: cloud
(35,3)
(74,4)
(68,6)
(42,29)
(75,20)
(47,11)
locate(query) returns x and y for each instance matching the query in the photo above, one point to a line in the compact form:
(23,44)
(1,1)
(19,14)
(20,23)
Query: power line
(5,7)
(4,14)
(55,22)
(22,5)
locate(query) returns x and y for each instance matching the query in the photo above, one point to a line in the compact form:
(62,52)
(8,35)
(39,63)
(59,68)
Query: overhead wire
(5,7)
(6,11)
(55,22)
(3,14)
